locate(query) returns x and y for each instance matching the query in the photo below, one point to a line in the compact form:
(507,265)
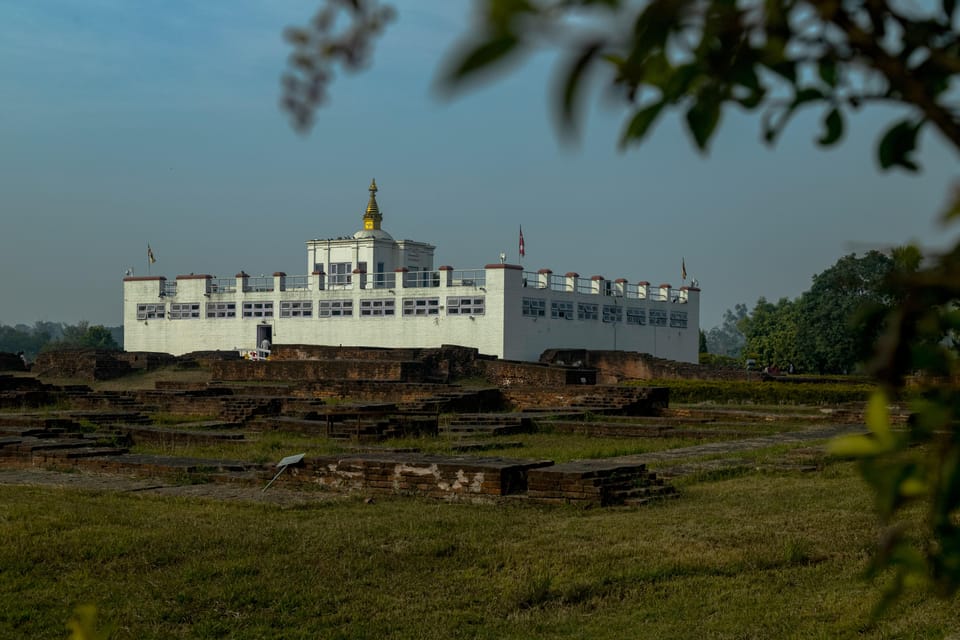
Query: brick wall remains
(439,364)
(317,370)
(11,362)
(506,373)
(616,366)
(97,364)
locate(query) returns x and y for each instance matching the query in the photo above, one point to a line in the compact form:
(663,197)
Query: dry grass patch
(750,557)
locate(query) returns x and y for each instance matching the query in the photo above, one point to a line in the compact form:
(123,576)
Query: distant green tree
(840,317)
(84,335)
(99,337)
(771,333)
(29,340)
(727,340)
(703,342)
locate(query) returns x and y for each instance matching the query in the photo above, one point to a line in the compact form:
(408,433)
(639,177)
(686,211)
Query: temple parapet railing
(445,277)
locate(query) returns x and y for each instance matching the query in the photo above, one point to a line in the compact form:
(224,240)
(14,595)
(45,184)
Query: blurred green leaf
(878,418)
(953,205)
(897,144)
(833,128)
(483,56)
(827,69)
(949,7)
(913,488)
(640,124)
(702,118)
(575,73)
(83,625)
(855,446)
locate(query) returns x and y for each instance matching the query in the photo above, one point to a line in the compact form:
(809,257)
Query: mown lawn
(755,556)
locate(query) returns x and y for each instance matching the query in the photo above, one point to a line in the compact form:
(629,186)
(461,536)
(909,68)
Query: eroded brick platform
(447,477)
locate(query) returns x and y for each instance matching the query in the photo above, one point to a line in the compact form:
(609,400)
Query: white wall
(501,330)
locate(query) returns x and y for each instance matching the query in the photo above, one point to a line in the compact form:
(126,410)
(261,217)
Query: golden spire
(372,218)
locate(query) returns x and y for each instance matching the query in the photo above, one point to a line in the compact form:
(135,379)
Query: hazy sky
(124,122)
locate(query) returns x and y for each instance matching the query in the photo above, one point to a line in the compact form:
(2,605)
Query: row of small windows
(532,307)
(304,308)
(562,310)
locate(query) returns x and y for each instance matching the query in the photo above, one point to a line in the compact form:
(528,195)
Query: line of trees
(50,336)
(830,328)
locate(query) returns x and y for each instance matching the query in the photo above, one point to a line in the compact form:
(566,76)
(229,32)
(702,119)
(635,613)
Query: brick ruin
(380,394)
(614,367)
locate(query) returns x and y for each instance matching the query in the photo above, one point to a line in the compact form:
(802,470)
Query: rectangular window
(151,311)
(379,278)
(340,273)
(658,318)
(561,310)
(636,316)
(257,309)
(586,311)
(379,307)
(612,313)
(465,306)
(421,306)
(335,308)
(184,310)
(678,319)
(534,308)
(296,309)
(221,309)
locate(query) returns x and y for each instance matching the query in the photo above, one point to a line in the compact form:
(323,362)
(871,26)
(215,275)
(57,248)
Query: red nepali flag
(522,248)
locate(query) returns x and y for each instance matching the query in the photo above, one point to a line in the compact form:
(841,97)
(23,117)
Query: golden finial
(372,218)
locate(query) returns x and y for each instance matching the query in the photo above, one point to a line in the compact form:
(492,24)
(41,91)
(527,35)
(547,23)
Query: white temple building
(372,290)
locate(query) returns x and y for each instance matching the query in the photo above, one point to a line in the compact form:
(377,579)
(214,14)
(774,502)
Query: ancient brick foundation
(313,370)
(11,362)
(447,477)
(506,373)
(616,366)
(97,364)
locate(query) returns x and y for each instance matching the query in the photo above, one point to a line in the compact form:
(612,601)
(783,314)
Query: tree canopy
(48,336)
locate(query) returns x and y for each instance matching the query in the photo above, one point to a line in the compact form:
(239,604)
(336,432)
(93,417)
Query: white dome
(379,234)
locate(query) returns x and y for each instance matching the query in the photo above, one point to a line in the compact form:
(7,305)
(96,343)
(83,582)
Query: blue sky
(124,122)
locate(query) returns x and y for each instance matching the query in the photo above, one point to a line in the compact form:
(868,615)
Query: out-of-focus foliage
(698,57)
(84,625)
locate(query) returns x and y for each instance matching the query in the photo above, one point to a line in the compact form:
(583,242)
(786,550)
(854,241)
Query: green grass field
(756,556)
